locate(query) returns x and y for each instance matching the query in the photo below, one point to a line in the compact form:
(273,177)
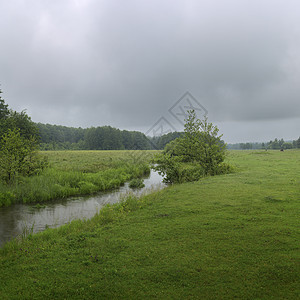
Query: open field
(77,173)
(233,236)
(91,161)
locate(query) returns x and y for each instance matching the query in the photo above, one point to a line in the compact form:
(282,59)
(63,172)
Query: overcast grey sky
(125,63)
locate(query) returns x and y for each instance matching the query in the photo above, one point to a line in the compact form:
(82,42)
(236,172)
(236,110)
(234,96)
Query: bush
(136,183)
(87,187)
(6,198)
(18,157)
(199,152)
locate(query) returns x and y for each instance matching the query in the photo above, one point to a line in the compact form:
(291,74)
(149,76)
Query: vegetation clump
(72,173)
(136,183)
(199,152)
(18,145)
(18,157)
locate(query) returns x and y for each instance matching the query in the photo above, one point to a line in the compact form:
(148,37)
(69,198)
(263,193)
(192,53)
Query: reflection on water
(15,218)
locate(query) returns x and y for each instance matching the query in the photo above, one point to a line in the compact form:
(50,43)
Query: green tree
(22,122)
(202,144)
(199,152)
(18,156)
(10,119)
(18,145)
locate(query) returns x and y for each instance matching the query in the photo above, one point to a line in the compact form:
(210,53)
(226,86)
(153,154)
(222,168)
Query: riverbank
(224,237)
(17,220)
(77,173)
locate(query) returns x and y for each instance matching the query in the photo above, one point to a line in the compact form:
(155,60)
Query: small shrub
(136,183)
(224,168)
(87,187)
(7,198)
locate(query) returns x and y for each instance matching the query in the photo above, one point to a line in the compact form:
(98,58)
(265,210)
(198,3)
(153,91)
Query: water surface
(14,219)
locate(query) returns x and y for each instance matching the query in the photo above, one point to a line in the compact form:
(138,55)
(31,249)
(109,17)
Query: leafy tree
(199,152)
(10,119)
(22,122)
(18,145)
(18,156)
(202,144)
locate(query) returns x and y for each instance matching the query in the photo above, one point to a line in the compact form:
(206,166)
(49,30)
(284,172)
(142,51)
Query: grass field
(77,173)
(233,236)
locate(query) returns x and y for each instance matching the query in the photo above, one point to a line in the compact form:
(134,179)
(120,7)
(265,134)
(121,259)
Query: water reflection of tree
(10,222)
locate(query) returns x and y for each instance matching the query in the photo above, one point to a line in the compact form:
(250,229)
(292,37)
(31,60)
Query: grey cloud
(89,63)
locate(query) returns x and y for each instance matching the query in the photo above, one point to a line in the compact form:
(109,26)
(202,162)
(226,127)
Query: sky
(137,65)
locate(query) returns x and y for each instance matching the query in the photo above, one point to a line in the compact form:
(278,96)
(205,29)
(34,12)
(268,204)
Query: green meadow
(77,173)
(233,236)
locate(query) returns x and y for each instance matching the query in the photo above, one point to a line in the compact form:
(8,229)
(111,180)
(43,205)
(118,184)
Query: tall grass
(67,176)
(234,236)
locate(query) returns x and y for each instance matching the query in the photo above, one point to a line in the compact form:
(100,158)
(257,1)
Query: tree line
(56,137)
(277,144)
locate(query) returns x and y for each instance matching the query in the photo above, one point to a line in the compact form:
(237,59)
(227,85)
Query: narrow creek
(16,218)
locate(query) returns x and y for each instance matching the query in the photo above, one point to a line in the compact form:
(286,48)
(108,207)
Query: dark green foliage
(136,183)
(160,142)
(18,145)
(22,122)
(11,120)
(7,198)
(53,137)
(199,152)
(18,156)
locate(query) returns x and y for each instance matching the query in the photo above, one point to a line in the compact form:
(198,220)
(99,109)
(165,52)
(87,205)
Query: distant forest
(277,144)
(56,137)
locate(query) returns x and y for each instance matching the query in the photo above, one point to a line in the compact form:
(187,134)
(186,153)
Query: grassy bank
(234,236)
(77,173)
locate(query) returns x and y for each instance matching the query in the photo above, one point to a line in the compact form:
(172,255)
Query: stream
(19,217)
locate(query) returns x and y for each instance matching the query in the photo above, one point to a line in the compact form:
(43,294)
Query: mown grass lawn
(233,236)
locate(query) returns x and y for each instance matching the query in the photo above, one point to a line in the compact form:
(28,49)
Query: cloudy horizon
(84,63)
